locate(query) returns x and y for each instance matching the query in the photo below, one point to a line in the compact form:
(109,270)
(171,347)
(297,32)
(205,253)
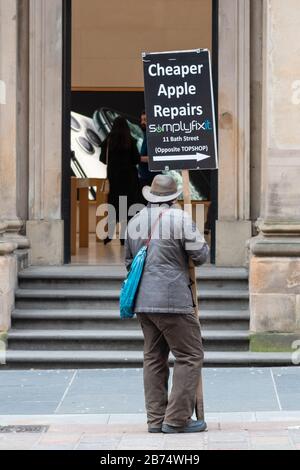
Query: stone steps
(113,340)
(124,358)
(68,316)
(111,277)
(110,319)
(210,299)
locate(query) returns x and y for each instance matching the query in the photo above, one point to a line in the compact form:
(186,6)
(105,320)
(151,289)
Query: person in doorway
(119,152)
(143,121)
(165,306)
(145,175)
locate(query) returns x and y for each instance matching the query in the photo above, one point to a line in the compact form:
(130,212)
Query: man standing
(165,307)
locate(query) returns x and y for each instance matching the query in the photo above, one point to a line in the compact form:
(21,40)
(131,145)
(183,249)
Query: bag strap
(154,226)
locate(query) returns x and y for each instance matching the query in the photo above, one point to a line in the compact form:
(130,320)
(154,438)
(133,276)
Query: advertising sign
(181,129)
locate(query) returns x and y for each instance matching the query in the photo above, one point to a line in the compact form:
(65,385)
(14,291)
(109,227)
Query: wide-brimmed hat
(163,189)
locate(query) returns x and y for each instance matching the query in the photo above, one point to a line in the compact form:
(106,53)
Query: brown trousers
(181,335)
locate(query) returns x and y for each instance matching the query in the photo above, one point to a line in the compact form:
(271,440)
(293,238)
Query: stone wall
(234,226)
(8,279)
(45,227)
(275,253)
(13,157)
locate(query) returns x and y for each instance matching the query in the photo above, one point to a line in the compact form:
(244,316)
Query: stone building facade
(259,145)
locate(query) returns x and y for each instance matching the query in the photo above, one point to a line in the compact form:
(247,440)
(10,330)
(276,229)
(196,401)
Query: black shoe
(155,430)
(192,426)
(107,240)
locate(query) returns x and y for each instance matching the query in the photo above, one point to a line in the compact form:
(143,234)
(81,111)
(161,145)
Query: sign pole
(192,273)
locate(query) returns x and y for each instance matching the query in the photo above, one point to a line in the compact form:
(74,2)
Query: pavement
(246,408)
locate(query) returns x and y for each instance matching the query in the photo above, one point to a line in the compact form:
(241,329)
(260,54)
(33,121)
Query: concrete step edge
(113,335)
(69,273)
(114,294)
(71,314)
(125,358)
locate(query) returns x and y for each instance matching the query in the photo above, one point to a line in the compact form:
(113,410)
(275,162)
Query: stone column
(45,227)
(10,154)
(275,253)
(256,30)
(8,276)
(234,226)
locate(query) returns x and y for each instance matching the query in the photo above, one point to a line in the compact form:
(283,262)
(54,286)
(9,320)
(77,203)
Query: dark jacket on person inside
(122,173)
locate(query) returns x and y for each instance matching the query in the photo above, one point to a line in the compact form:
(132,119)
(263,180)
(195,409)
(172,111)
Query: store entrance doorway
(102,78)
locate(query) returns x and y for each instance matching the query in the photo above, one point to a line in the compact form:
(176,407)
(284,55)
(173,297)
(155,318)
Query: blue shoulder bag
(131,284)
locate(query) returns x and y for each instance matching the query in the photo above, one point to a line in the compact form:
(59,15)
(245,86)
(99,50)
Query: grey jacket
(165,286)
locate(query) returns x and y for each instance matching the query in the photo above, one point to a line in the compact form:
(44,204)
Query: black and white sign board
(181,128)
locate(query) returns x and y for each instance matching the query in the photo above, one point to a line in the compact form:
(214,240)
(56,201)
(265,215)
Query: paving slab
(128,432)
(120,391)
(287,383)
(246,389)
